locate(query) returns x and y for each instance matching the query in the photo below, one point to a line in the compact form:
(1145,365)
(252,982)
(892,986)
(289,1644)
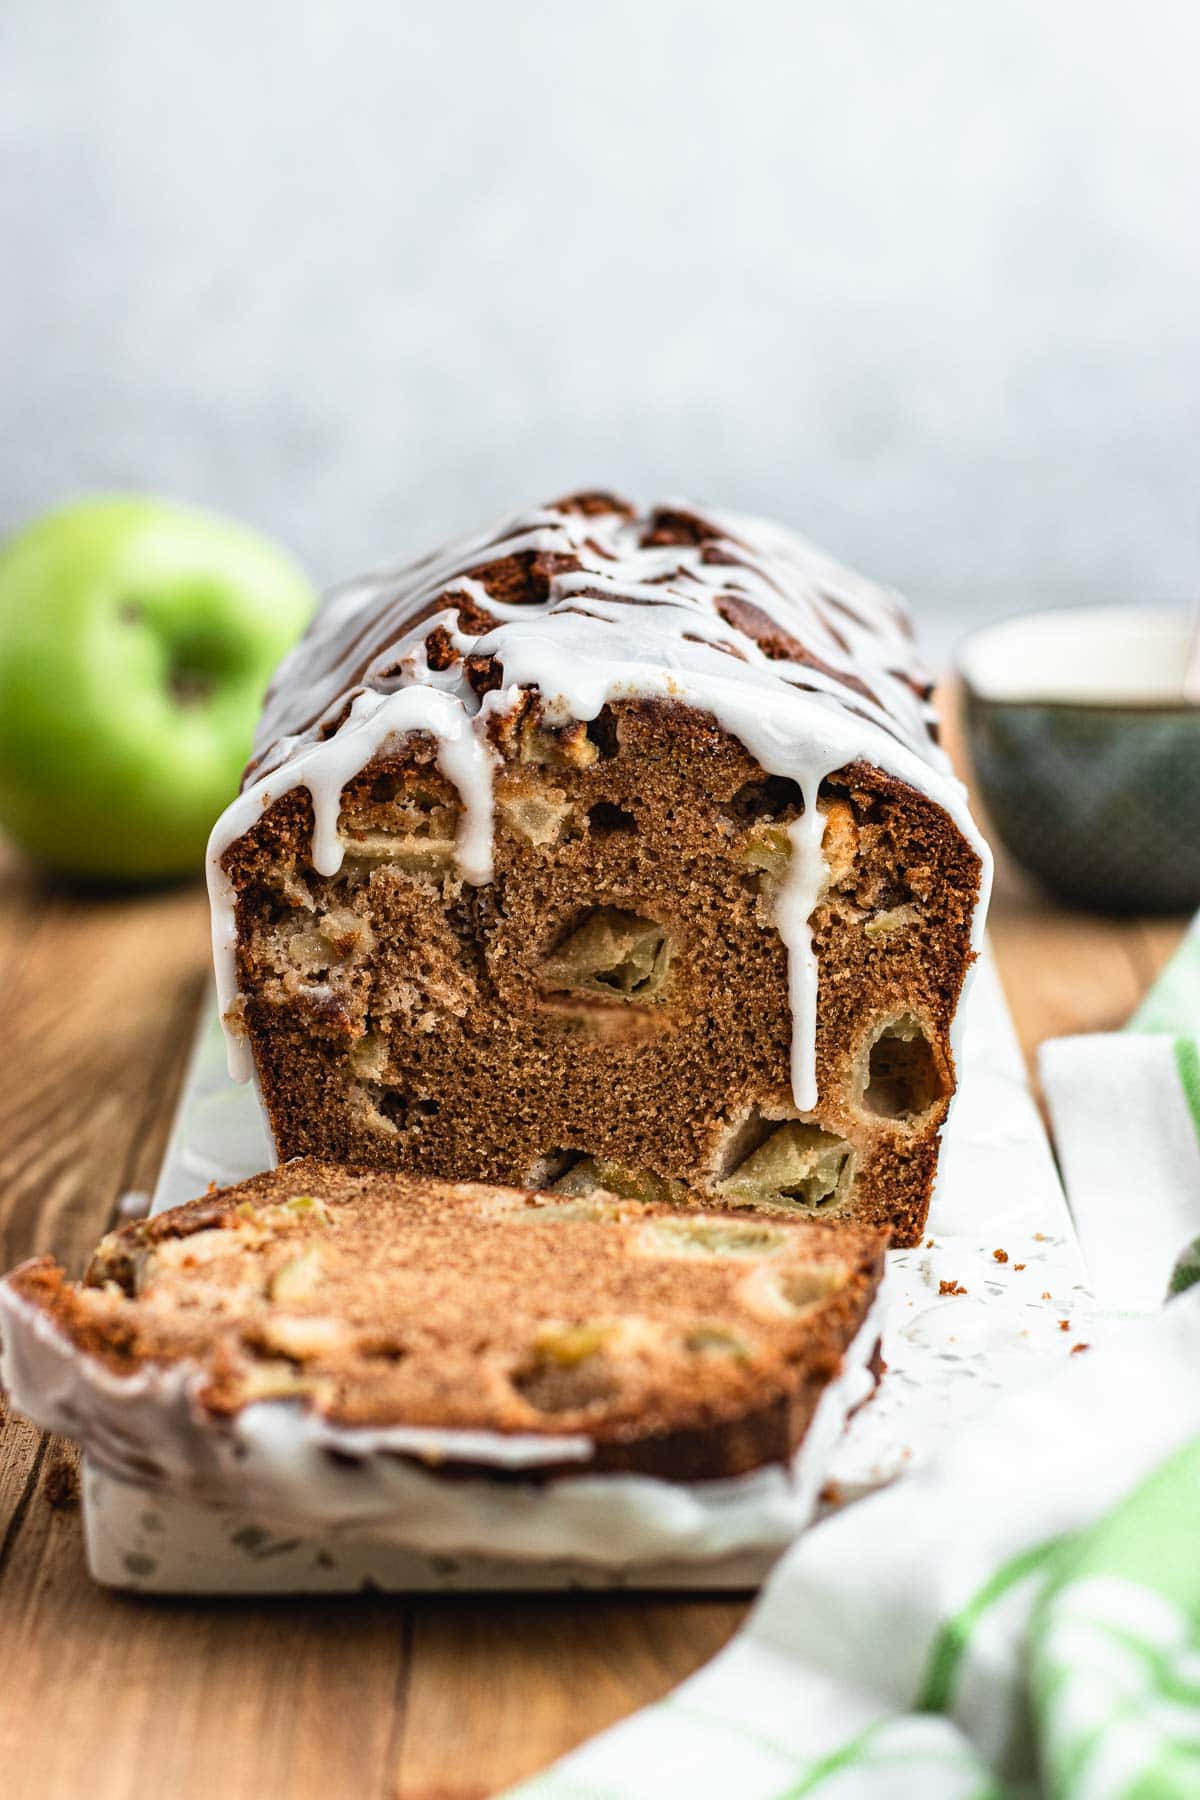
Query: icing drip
(464,757)
(625,615)
(807,874)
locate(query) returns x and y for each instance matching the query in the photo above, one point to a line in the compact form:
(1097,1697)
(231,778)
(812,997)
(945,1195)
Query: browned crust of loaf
(592,502)
(725,1421)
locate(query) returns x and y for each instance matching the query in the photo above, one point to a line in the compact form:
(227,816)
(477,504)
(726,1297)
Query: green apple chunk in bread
(136,641)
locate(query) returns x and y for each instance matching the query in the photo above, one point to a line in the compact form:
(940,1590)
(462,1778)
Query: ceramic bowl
(1086,755)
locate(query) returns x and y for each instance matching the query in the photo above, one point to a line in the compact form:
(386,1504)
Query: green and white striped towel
(1021,1616)
(1125,1107)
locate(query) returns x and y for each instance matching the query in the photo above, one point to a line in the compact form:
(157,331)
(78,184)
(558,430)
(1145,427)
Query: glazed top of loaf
(810,667)
(678,585)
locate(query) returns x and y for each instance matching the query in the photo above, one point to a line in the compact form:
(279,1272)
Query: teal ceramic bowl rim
(1086,752)
(1162,634)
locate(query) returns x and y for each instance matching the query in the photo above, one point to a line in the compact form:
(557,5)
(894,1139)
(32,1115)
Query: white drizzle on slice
(628,620)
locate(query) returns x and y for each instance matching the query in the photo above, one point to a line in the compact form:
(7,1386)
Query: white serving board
(962,1324)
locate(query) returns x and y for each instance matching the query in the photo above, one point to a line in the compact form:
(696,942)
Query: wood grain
(433,1699)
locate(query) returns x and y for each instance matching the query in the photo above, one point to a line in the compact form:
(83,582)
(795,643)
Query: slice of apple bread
(614,1335)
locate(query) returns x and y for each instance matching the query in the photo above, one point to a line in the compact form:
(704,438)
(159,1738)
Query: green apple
(136,641)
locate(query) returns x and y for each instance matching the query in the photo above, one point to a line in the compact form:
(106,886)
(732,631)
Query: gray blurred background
(923,279)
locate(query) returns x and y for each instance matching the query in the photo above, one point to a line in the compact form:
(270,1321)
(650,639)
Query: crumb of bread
(60,1484)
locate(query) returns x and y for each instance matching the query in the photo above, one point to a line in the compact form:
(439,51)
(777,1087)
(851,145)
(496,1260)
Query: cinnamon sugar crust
(684,1346)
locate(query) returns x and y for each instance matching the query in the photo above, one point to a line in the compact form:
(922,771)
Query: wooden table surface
(116,1698)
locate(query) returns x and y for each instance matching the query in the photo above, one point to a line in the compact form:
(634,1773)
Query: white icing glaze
(274,1461)
(629,620)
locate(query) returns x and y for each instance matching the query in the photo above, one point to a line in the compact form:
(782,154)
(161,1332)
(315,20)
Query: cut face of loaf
(613,1007)
(608,950)
(685,1346)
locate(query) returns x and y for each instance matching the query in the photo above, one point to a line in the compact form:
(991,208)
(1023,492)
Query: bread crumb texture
(615,1001)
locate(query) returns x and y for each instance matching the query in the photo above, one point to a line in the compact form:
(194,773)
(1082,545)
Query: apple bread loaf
(594,1335)
(607,849)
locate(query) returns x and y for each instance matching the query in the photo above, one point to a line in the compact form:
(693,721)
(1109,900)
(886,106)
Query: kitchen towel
(1125,1107)
(1019,1616)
